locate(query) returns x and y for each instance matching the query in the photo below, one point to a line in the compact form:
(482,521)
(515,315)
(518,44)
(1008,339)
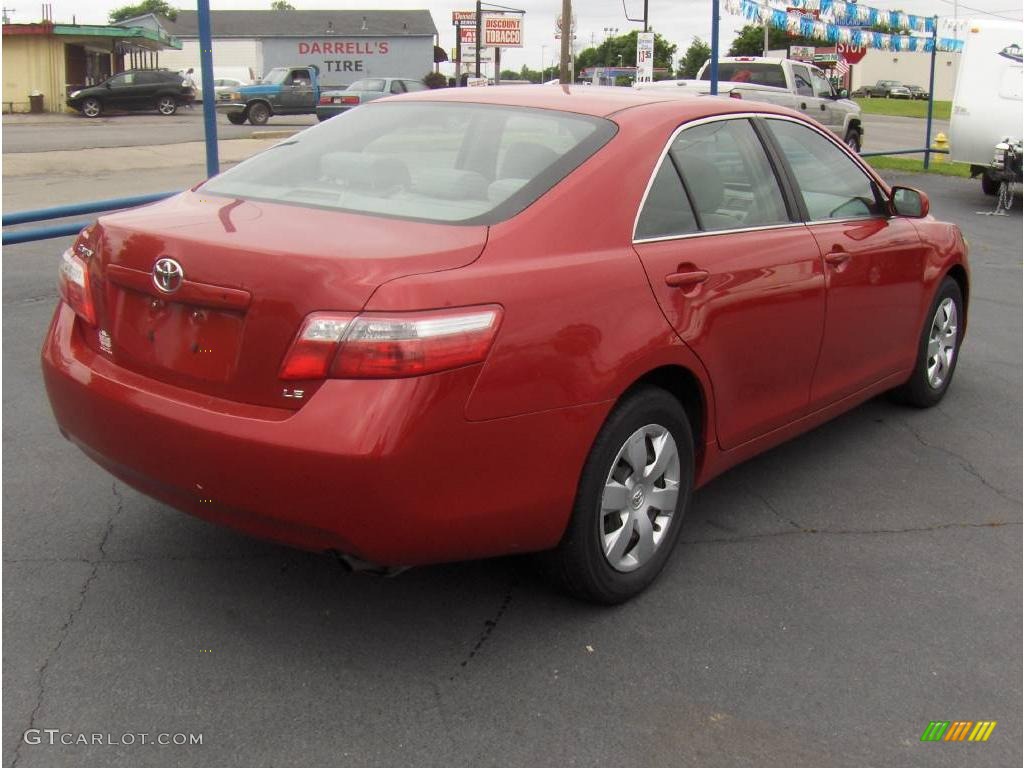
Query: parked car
(221,85)
(988,104)
(882,88)
(405,337)
(361,91)
(786,82)
(134,89)
(917,92)
(282,91)
(900,92)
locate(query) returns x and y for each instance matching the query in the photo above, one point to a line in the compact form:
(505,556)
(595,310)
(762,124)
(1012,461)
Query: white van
(987,102)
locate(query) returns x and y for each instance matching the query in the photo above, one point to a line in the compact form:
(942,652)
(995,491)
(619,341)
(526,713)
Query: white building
(908,68)
(344,45)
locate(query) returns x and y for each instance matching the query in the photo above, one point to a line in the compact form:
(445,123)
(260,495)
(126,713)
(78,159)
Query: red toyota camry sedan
(473,322)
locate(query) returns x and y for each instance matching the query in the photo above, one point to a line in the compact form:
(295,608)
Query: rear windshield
(374,84)
(438,162)
(748,72)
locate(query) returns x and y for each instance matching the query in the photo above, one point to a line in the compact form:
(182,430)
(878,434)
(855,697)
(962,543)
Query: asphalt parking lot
(828,600)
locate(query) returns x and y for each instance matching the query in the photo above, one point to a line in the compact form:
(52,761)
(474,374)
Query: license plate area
(185,339)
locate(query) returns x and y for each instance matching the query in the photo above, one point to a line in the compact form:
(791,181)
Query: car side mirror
(109,86)
(907,201)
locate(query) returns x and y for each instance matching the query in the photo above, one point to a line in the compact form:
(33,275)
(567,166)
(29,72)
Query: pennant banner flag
(808,26)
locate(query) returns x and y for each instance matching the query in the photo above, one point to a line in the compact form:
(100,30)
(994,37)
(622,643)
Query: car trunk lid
(250,272)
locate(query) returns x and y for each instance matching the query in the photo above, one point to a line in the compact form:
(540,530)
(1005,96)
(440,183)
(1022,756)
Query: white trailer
(987,102)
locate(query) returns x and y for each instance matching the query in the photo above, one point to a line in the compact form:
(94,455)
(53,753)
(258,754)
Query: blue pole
(931,95)
(209,110)
(63,211)
(714,47)
(44,233)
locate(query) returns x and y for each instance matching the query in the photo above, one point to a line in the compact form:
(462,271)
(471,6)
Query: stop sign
(853,54)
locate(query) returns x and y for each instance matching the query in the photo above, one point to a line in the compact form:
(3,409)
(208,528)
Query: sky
(678,20)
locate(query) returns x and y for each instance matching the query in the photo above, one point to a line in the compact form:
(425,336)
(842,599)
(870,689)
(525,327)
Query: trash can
(35,102)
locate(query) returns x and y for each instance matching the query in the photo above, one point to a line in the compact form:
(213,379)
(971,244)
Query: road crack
(65,629)
(489,626)
(964,463)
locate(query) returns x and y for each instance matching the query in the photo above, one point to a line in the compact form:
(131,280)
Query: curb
(273,134)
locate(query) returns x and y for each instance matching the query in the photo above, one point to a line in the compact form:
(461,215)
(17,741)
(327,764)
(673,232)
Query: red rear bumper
(387,470)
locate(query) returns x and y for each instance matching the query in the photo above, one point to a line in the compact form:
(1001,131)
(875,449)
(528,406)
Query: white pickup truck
(788,83)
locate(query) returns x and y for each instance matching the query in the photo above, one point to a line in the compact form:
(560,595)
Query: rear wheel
(989,185)
(632,494)
(236,118)
(91,107)
(938,349)
(259,114)
(166,105)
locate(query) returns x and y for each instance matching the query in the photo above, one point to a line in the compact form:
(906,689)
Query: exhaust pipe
(353,564)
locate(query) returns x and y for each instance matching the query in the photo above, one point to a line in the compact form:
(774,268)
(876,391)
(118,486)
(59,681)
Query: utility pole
(563,70)
(479,35)
(765,51)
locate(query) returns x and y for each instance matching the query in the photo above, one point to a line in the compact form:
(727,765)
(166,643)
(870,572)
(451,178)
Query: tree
(750,40)
(694,58)
(159,7)
(281,5)
(607,54)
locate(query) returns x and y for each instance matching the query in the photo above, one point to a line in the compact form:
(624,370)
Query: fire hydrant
(940,142)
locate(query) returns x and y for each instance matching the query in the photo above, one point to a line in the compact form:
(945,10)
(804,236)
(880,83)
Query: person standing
(190,83)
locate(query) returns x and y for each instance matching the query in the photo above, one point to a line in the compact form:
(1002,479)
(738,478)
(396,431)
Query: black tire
(92,107)
(258,113)
(854,140)
(989,185)
(236,118)
(918,391)
(579,565)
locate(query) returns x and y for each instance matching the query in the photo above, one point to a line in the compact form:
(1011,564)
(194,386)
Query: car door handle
(803,105)
(684,279)
(837,258)
(822,107)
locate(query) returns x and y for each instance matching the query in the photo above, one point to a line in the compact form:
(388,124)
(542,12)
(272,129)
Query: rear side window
(397,86)
(802,81)
(465,163)
(831,184)
(667,211)
(728,176)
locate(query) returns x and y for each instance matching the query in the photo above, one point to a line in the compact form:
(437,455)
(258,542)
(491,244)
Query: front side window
(397,86)
(466,163)
(125,78)
(822,87)
(830,182)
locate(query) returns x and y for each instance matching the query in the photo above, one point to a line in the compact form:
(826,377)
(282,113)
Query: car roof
(595,100)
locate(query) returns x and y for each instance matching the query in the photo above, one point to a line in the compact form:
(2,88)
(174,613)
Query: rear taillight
(390,345)
(349,99)
(73,282)
(325,99)
(735,95)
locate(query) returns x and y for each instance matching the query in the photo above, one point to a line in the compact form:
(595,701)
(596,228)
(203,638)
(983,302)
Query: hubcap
(166,105)
(639,499)
(91,108)
(942,340)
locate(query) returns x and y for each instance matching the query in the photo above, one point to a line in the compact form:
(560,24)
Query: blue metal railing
(925,151)
(65,211)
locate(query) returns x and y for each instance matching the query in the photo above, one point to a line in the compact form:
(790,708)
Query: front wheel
(938,349)
(91,107)
(630,501)
(854,139)
(259,114)
(166,105)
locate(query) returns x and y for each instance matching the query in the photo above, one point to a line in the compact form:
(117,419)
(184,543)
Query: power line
(997,14)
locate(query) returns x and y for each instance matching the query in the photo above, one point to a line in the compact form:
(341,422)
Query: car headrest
(365,172)
(525,160)
(703,181)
